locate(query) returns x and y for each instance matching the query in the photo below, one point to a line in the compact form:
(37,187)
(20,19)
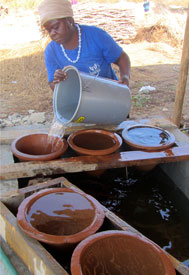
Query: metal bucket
(85,98)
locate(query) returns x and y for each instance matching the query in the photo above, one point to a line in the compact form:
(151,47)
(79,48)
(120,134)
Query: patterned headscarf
(54,9)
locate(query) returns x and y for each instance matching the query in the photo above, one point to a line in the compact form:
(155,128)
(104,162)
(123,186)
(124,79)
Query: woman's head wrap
(54,9)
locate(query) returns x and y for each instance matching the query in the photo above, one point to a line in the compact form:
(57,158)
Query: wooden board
(91,163)
(6,157)
(33,254)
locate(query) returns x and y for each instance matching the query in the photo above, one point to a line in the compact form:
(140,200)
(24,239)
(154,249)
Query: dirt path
(155,63)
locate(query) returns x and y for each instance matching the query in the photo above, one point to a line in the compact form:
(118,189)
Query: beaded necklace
(79,48)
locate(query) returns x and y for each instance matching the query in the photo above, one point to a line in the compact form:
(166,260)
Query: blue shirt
(98,51)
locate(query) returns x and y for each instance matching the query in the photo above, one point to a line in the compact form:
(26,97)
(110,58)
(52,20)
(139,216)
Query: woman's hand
(59,75)
(124,79)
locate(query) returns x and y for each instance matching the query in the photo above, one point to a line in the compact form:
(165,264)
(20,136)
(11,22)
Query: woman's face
(59,30)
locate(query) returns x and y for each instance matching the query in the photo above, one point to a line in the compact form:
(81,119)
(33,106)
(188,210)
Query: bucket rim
(66,69)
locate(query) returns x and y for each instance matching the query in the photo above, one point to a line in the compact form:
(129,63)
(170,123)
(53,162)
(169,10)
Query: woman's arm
(124,64)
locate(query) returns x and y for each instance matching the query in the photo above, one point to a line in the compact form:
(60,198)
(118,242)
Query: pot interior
(120,255)
(148,137)
(93,141)
(38,144)
(61,213)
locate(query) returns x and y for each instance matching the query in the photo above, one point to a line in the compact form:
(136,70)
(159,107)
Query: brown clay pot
(94,142)
(119,252)
(147,138)
(60,217)
(38,146)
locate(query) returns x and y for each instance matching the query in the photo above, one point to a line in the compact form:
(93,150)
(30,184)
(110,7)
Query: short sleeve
(110,48)
(50,62)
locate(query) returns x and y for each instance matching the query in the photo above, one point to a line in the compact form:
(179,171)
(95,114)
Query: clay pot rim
(168,144)
(58,239)
(83,151)
(84,244)
(28,157)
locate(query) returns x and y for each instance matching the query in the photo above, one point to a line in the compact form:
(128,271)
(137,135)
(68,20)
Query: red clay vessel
(94,142)
(147,138)
(119,252)
(60,217)
(38,147)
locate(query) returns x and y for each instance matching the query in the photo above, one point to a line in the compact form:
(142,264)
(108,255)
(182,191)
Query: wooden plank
(117,222)
(13,199)
(6,157)
(31,252)
(91,163)
(15,261)
(181,85)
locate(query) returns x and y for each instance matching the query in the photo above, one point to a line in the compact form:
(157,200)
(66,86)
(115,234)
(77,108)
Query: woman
(88,48)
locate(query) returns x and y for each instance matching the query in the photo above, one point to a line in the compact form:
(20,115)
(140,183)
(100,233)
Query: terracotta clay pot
(119,252)
(60,217)
(38,146)
(147,138)
(94,142)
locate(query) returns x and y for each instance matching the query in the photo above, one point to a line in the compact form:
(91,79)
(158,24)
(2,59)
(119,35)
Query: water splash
(57,129)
